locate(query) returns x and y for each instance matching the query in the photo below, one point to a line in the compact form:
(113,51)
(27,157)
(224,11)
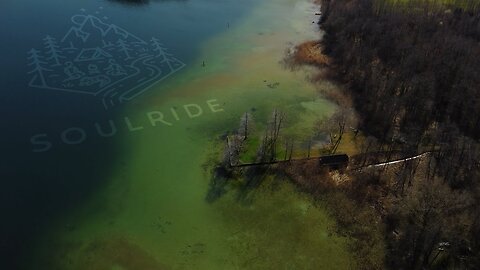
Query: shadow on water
(218,183)
(223,178)
(254,177)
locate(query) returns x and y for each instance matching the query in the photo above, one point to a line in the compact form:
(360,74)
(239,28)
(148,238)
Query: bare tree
(432,217)
(336,125)
(246,125)
(288,149)
(268,147)
(233,149)
(344,118)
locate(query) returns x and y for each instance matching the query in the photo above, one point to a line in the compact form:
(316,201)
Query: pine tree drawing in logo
(53,50)
(158,48)
(100,59)
(36,60)
(161,52)
(124,48)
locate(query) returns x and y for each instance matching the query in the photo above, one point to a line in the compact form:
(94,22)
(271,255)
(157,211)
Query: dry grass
(311,53)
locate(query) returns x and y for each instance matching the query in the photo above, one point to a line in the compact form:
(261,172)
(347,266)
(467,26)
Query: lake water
(111,112)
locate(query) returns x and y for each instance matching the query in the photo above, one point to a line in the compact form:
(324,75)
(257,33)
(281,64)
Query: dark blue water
(43,180)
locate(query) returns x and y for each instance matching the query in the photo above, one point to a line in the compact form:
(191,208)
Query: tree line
(413,71)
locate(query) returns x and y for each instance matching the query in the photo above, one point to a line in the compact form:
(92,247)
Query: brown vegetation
(310,53)
(349,202)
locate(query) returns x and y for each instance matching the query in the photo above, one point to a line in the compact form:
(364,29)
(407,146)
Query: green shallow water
(153,213)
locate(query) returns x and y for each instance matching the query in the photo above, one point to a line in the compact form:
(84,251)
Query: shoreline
(152,187)
(410,114)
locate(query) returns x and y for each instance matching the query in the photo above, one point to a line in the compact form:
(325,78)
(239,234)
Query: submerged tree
(268,148)
(246,125)
(233,150)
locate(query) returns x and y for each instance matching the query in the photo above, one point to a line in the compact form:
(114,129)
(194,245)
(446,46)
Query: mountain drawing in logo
(102,60)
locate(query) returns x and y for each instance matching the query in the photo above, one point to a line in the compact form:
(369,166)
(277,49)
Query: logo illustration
(102,60)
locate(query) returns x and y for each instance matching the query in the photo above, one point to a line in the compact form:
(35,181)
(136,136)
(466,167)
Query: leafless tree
(246,125)
(268,147)
(432,217)
(336,125)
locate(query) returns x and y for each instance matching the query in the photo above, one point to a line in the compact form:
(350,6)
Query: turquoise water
(137,199)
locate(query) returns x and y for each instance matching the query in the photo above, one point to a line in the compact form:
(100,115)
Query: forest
(412,70)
